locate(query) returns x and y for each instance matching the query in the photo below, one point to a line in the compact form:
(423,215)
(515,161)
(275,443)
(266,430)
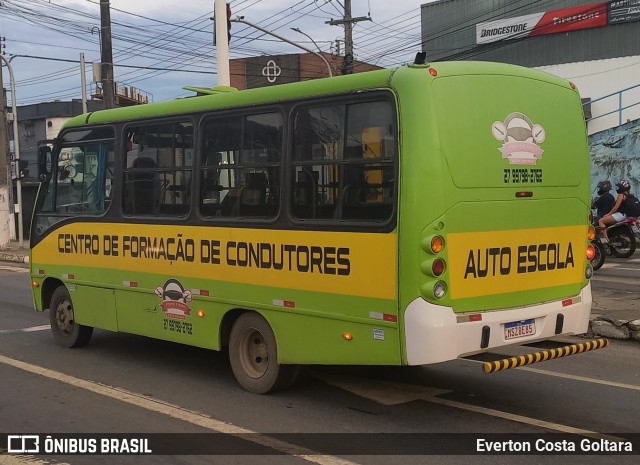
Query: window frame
(243,113)
(191,119)
(59,146)
(336,224)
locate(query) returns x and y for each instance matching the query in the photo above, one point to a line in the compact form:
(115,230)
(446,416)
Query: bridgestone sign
(549,22)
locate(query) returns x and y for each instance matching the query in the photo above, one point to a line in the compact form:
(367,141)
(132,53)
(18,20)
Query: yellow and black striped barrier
(544,355)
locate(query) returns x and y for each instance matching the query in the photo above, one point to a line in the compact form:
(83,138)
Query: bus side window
(243,179)
(81,175)
(157,172)
(343,162)
(144,186)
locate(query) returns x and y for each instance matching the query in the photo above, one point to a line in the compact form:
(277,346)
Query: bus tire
(66,331)
(254,356)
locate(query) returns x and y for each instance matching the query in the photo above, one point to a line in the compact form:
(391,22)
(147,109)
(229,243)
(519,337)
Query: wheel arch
(48,288)
(227,322)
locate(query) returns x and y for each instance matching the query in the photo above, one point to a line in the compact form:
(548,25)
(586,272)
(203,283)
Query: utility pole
(83,83)
(347,21)
(4,143)
(16,152)
(108,92)
(221,11)
(6,219)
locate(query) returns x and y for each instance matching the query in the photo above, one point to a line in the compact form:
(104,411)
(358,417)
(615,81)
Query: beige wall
(311,67)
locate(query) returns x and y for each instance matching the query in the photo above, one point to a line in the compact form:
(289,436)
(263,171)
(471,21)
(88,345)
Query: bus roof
(297,90)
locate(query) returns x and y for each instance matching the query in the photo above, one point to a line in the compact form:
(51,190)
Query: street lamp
(305,34)
(16,147)
(240,19)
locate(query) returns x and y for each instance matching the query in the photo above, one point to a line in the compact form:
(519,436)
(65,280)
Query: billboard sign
(549,22)
(624,11)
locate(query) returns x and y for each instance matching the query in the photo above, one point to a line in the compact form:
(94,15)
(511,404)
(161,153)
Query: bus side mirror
(44,162)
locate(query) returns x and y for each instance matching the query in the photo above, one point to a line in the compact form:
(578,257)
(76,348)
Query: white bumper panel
(433,333)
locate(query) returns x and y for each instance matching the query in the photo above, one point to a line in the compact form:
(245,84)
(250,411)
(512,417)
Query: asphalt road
(133,385)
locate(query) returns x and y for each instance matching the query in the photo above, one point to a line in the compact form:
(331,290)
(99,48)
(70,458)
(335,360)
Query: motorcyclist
(623,188)
(605,201)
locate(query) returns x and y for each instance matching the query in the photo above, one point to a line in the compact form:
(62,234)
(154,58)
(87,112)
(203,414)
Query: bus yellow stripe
(354,264)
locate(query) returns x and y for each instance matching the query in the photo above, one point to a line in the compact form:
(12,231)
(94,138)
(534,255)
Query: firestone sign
(549,22)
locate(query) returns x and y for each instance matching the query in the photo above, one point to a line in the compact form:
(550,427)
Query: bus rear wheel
(254,356)
(65,330)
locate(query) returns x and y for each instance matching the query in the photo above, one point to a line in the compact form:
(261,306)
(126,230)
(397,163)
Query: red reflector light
(521,194)
(389,317)
(567,302)
(475,317)
(591,252)
(433,72)
(437,267)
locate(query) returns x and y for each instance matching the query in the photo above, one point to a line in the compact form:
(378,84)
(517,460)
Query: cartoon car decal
(521,137)
(174,299)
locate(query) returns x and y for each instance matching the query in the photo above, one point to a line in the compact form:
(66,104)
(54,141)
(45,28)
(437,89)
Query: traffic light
(229,21)
(228,25)
(347,64)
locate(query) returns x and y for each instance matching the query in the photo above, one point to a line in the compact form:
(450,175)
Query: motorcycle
(622,240)
(599,254)
(635,228)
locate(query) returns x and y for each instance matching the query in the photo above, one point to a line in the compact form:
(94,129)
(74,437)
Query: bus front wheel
(254,357)
(65,330)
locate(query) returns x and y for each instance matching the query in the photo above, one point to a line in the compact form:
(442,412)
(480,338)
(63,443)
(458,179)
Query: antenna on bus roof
(421,58)
(215,90)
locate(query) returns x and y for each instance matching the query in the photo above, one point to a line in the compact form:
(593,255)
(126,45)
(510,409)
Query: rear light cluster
(591,250)
(434,267)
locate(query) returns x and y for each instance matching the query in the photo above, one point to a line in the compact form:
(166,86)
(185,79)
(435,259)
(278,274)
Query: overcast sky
(173,39)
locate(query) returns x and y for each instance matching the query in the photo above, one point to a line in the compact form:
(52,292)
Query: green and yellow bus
(404,216)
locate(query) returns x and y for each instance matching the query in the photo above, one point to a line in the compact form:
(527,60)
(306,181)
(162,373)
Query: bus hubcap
(64,316)
(254,353)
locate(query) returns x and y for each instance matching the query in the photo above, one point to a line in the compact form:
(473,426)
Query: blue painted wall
(615,154)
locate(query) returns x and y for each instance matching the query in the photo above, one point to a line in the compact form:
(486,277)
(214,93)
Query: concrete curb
(13,257)
(624,330)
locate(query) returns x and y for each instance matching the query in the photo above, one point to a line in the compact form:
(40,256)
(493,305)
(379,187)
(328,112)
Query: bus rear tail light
(437,244)
(437,267)
(439,290)
(588,272)
(591,252)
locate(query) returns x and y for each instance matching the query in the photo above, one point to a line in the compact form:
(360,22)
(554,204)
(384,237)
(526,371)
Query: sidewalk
(15,253)
(614,314)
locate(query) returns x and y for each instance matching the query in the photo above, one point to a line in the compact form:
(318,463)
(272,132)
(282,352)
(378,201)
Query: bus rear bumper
(437,334)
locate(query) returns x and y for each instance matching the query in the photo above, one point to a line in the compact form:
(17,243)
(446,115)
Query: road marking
(581,378)
(14,268)
(180,413)
(25,330)
(374,390)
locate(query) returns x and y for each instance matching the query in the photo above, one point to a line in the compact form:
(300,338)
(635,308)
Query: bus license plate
(518,329)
